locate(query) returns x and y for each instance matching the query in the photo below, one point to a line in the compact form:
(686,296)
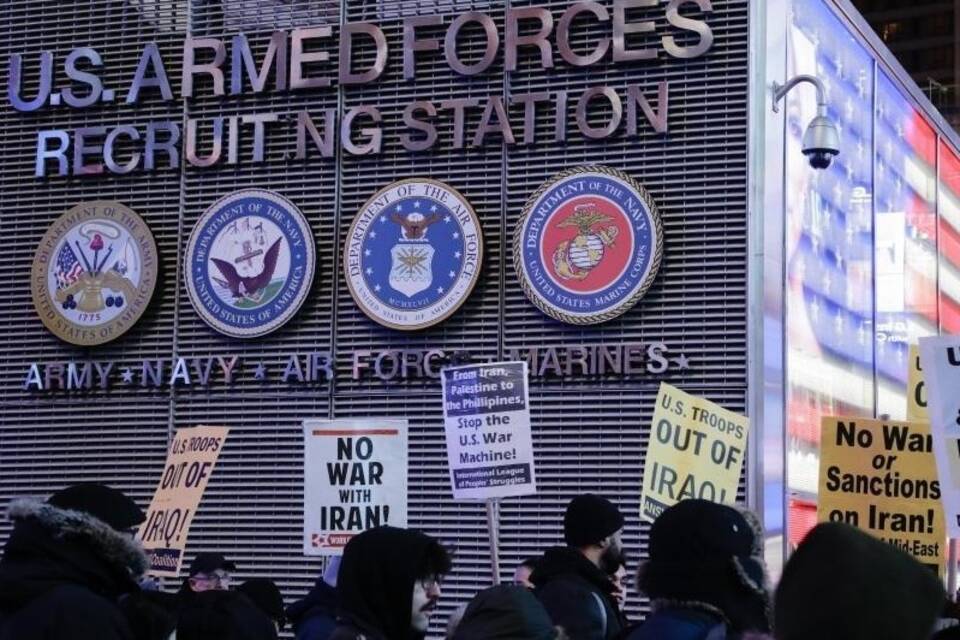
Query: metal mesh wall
(589,433)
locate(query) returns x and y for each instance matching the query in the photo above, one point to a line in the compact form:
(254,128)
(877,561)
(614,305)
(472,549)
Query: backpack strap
(603,611)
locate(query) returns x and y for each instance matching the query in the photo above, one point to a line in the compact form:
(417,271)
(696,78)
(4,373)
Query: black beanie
(844,583)
(589,519)
(102,502)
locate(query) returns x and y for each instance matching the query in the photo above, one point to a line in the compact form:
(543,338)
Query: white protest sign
(486,410)
(355,474)
(940,366)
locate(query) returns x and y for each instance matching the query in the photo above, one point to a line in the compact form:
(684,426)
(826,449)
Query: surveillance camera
(821,142)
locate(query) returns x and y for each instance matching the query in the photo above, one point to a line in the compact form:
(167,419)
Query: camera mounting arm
(780,90)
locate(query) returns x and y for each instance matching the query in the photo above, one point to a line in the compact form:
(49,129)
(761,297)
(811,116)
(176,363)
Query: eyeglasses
(219,578)
(430,582)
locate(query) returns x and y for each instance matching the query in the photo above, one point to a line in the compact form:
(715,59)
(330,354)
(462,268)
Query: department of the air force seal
(588,245)
(94,272)
(413,254)
(249,263)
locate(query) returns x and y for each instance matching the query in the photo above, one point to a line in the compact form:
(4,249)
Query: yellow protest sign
(696,450)
(916,392)
(881,476)
(190,462)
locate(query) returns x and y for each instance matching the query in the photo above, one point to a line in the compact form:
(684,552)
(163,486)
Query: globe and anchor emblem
(574,259)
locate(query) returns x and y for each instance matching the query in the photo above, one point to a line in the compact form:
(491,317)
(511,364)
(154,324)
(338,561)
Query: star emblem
(456,234)
(376,288)
(399,209)
(383,219)
(260,373)
(369,271)
(682,362)
(433,208)
(446,218)
(127,376)
(416,204)
(452,274)
(373,234)
(457,254)
(366,252)
(439,289)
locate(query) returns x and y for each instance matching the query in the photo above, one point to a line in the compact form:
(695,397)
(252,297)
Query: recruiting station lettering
(300,60)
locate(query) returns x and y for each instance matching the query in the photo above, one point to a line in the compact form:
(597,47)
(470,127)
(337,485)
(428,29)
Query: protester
(705,576)
(209,571)
(506,612)
(266,596)
(67,563)
(521,576)
(573,582)
(315,616)
(844,583)
(619,580)
(389,584)
(152,615)
(223,615)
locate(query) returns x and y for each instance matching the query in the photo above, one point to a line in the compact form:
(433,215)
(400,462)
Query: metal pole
(952,570)
(494,539)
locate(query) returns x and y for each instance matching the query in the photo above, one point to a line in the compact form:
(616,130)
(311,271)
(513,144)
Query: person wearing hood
(844,584)
(67,564)
(705,576)
(573,582)
(506,612)
(265,595)
(216,614)
(389,585)
(315,616)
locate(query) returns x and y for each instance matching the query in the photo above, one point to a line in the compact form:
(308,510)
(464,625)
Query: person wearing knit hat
(705,574)
(842,583)
(67,563)
(573,582)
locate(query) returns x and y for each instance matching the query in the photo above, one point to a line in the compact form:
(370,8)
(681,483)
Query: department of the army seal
(94,272)
(413,254)
(588,245)
(249,263)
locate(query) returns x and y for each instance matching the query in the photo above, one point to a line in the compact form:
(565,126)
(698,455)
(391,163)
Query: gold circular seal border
(625,306)
(473,281)
(56,322)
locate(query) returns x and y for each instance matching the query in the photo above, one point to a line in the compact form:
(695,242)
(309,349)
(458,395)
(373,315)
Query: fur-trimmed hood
(116,548)
(50,547)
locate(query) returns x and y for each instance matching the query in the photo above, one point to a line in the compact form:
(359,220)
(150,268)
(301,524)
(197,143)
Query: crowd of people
(72,569)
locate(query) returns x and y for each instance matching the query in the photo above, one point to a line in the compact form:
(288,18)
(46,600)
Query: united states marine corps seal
(94,273)
(249,263)
(413,254)
(588,245)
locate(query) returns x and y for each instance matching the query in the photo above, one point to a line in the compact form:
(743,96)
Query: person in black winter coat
(705,576)
(844,584)
(223,615)
(389,584)
(506,612)
(573,582)
(67,563)
(315,616)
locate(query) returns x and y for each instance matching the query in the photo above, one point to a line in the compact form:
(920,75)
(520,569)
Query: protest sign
(486,410)
(916,390)
(190,462)
(355,475)
(880,476)
(696,450)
